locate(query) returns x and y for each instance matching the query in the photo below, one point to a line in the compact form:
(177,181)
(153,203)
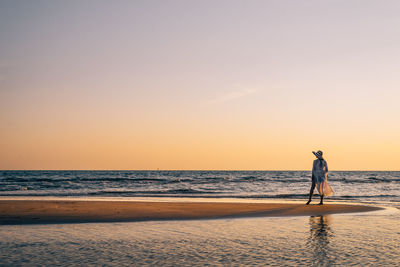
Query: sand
(73,211)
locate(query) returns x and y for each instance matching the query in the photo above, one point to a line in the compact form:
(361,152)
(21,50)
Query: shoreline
(23,211)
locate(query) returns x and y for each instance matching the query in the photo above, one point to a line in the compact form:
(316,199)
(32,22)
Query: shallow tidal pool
(356,239)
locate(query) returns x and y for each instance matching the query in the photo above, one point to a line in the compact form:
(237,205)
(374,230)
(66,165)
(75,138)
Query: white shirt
(319,170)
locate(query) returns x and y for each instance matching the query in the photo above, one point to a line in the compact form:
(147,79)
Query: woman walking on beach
(319,178)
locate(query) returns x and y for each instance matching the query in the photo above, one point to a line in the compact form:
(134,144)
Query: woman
(319,178)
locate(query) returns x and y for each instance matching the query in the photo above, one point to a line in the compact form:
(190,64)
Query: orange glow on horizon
(205,86)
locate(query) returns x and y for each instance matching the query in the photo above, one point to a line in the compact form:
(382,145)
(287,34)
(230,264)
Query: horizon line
(184,170)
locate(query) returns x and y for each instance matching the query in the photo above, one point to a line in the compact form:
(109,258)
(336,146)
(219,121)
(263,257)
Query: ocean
(361,239)
(355,186)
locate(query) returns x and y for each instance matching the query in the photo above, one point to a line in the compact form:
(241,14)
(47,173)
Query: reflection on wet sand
(319,240)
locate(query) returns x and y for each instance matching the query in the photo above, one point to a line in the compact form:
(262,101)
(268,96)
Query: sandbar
(77,211)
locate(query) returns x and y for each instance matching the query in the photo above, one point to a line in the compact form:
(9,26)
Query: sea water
(337,240)
(371,238)
(359,186)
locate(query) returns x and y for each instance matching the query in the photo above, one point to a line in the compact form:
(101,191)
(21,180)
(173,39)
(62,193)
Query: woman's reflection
(320,233)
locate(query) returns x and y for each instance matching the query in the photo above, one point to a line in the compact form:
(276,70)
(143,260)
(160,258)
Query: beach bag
(325,187)
(328,191)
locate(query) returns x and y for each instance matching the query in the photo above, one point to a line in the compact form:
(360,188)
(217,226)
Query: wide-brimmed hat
(318,154)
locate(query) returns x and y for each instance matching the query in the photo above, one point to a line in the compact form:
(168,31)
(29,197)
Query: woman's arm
(326,167)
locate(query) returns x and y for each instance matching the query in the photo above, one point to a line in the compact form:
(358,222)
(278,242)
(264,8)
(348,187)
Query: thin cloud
(232,96)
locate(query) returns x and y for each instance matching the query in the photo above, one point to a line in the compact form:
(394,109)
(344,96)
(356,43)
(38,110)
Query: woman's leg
(322,200)
(322,193)
(311,192)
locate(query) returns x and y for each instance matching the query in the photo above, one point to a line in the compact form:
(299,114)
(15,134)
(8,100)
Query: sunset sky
(236,85)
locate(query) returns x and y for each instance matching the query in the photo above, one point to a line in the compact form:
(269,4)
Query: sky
(199,85)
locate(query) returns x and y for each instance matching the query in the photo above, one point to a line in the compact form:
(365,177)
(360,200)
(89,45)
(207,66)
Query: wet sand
(73,211)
